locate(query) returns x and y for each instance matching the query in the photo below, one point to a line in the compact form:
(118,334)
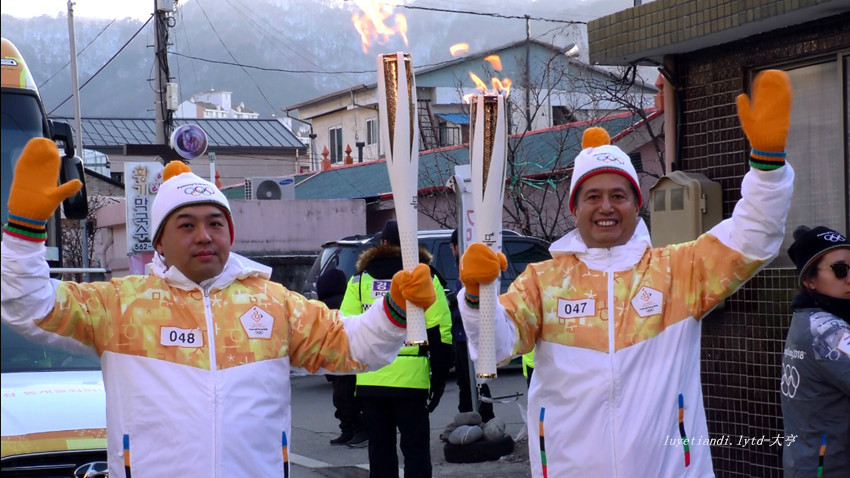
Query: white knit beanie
(599,156)
(182,188)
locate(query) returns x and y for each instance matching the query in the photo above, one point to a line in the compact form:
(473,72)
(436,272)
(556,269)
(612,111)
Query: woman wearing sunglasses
(815,381)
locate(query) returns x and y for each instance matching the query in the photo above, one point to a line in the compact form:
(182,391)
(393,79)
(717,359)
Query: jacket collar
(237,268)
(622,257)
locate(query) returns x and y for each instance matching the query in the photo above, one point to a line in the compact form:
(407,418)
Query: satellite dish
(189,141)
(268,190)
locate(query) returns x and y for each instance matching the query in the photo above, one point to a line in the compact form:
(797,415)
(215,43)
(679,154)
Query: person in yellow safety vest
(528,366)
(400,395)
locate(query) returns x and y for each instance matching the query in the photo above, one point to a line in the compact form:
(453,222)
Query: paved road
(313,425)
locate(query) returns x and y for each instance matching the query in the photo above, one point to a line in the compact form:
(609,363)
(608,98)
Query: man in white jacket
(616,387)
(196,355)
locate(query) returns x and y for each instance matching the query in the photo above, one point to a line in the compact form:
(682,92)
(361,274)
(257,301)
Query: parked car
(54,411)
(520,251)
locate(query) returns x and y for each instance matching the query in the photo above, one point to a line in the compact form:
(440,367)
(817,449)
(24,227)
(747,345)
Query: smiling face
(824,280)
(196,240)
(606,210)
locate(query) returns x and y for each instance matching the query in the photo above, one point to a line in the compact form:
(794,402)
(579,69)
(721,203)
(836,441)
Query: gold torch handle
(487,159)
(397,106)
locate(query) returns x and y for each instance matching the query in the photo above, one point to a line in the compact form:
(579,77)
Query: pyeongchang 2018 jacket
(616,385)
(815,388)
(197,378)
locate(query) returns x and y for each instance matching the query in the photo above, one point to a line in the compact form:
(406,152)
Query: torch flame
(500,86)
(495,62)
(372,23)
(458,48)
(479,85)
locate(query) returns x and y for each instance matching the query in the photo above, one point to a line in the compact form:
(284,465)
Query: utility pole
(84,243)
(75,80)
(527,73)
(162,13)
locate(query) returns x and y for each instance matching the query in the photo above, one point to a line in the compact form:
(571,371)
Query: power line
(264,68)
(276,38)
(105,64)
(234,58)
(306,72)
(78,55)
(493,15)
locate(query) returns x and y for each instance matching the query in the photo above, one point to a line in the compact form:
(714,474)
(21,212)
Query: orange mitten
(34,196)
(415,287)
(480,265)
(766,118)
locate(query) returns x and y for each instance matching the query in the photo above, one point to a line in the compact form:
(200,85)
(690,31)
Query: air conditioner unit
(274,188)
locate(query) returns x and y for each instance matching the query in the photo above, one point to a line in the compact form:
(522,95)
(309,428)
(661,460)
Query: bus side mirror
(62,132)
(77,205)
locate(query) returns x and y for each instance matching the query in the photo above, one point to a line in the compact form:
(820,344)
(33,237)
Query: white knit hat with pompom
(599,156)
(181,188)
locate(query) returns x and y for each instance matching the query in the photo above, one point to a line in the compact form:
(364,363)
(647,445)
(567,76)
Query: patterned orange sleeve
(523,302)
(317,337)
(705,272)
(82,312)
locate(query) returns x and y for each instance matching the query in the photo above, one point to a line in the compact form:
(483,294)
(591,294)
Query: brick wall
(743,343)
(632,32)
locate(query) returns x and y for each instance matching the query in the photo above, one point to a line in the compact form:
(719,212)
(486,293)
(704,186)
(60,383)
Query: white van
(53,411)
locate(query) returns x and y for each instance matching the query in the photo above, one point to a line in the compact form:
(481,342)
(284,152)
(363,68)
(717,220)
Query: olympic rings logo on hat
(831,236)
(198,190)
(608,158)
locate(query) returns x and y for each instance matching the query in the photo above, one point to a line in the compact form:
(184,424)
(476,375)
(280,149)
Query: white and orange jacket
(616,385)
(196,378)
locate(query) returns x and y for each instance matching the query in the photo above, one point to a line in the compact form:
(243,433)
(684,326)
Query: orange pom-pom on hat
(594,137)
(181,188)
(599,156)
(173,168)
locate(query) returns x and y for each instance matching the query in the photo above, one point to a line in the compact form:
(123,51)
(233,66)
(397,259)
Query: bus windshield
(22,120)
(20,355)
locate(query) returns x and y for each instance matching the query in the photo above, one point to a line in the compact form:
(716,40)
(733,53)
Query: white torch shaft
(397,103)
(488,155)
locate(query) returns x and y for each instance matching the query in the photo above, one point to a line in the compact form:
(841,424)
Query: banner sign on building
(141,183)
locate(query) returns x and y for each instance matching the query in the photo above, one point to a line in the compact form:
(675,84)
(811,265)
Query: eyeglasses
(840,269)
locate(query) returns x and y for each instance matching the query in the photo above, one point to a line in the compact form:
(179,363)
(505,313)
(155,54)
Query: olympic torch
(397,109)
(488,144)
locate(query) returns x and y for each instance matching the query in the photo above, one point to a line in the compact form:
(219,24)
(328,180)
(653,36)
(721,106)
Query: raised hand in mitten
(766,118)
(479,265)
(34,195)
(414,286)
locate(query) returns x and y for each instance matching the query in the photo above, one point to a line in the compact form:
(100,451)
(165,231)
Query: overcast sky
(141,9)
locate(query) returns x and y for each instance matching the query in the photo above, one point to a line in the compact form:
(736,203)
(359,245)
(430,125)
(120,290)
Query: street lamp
(572,51)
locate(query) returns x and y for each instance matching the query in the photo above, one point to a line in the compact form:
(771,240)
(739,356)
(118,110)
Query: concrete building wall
(285,235)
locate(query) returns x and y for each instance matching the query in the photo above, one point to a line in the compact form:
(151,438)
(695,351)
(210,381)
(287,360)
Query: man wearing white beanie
(615,323)
(196,355)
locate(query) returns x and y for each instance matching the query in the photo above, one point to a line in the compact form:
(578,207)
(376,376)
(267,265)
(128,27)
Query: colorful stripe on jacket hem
(685,443)
(543,464)
(127,455)
(285,450)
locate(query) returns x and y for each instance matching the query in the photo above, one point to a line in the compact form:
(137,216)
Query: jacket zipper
(213,366)
(611,326)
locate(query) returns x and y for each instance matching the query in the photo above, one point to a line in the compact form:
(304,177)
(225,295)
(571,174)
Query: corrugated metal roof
(456,118)
(221,133)
(539,152)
